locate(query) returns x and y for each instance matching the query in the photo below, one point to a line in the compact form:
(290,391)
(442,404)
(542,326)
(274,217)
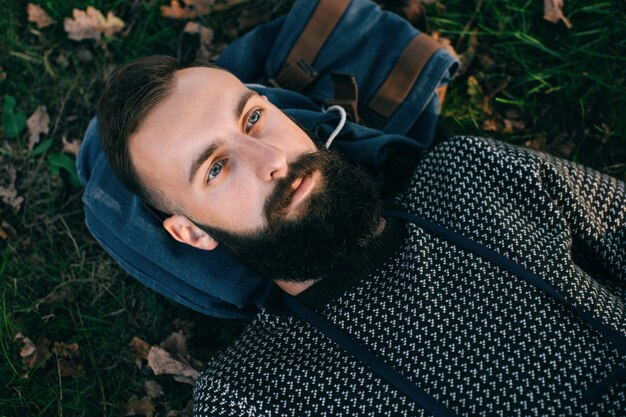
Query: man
(231,169)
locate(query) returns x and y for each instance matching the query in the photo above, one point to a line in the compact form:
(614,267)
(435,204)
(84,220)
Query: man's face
(217,149)
(242,173)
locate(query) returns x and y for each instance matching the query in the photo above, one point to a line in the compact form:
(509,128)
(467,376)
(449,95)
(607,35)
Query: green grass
(565,86)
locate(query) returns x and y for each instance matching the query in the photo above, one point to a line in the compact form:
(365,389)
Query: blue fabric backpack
(388,77)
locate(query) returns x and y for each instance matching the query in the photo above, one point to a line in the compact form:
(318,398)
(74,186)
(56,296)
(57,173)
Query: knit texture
(477,338)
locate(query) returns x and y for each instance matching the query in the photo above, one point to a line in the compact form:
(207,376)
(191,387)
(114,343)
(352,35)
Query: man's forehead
(216,81)
(178,127)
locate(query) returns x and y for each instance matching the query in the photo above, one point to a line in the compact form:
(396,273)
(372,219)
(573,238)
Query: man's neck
(295,288)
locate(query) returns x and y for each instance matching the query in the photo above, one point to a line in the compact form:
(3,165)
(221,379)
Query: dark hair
(129,95)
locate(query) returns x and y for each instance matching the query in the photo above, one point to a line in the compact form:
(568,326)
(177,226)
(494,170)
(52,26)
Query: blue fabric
(366,43)
(212,282)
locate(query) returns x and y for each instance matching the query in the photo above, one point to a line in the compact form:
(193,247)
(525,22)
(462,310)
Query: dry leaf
(58,295)
(138,407)
(71,147)
(175,343)
(28,348)
(38,15)
(161,362)
(538,143)
(174,11)
(153,389)
(112,25)
(490,125)
(512,125)
(7,232)
(553,12)
(8,192)
(140,350)
(33,355)
(188,10)
(68,357)
(38,122)
(91,24)
(206,34)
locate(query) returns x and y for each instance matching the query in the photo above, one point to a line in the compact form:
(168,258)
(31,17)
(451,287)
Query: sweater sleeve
(594,205)
(216,398)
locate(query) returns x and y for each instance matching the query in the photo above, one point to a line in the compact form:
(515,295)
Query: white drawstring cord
(342,122)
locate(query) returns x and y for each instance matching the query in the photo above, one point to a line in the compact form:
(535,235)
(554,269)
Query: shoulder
(468,151)
(474,170)
(468,161)
(231,384)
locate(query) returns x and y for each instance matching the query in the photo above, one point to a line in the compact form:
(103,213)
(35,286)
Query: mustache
(305,165)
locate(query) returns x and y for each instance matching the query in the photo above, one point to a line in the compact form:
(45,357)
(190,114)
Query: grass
(530,82)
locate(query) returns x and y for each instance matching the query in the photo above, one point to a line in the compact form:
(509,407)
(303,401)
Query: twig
(468,25)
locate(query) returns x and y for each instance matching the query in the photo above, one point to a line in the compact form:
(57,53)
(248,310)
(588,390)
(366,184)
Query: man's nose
(268,161)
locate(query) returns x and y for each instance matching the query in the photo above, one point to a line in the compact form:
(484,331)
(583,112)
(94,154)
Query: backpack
(388,77)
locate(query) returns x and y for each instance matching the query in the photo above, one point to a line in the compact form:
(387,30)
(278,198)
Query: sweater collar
(373,256)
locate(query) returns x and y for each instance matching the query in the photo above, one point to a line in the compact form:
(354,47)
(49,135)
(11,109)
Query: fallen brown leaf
(71,147)
(8,192)
(68,358)
(140,350)
(490,125)
(153,389)
(553,12)
(538,144)
(161,362)
(38,122)
(512,125)
(175,343)
(58,295)
(206,34)
(188,10)
(91,24)
(7,232)
(33,355)
(174,10)
(38,16)
(28,348)
(138,407)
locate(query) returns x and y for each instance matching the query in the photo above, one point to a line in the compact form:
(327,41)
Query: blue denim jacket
(366,43)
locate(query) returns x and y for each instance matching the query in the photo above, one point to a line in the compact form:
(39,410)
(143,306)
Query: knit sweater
(477,338)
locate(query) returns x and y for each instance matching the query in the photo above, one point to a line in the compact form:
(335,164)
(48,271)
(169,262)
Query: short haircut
(129,95)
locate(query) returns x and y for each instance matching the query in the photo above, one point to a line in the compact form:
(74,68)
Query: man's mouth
(303,187)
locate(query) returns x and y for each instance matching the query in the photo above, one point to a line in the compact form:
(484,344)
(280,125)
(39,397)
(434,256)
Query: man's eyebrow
(197,163)
(210,150)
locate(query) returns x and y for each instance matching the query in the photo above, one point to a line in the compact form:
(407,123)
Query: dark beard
(326,237)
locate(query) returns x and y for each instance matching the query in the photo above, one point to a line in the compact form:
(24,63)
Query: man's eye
(254,117)
(215,169)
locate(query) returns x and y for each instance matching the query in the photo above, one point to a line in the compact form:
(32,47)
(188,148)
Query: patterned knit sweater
(480,340)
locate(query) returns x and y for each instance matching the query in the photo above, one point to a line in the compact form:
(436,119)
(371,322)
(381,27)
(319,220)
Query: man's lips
(303,187)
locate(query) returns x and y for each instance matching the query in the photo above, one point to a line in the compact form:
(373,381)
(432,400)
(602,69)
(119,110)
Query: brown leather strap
(297,72)
(404,74)
(346,94)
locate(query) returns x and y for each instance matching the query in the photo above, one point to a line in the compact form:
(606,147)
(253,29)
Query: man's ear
(186,231)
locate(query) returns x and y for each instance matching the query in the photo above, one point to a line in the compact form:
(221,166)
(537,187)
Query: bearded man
(232,169)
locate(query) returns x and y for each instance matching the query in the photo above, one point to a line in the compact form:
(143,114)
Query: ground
(68,313)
